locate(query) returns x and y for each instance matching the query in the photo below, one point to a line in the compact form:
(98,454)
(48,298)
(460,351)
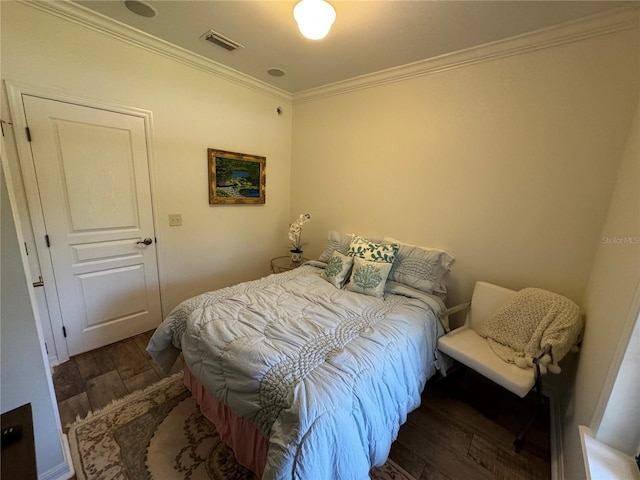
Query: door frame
(15,92)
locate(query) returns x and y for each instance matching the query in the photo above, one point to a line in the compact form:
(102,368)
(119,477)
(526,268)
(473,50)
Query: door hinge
(28,134)
(46,239)
(26,250)
(64,331)
(46,348)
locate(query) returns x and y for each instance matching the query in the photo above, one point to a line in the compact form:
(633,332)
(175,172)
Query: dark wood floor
(462,431)
(91,380)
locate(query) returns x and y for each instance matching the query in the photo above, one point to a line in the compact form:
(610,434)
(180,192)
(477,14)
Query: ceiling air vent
(221,41)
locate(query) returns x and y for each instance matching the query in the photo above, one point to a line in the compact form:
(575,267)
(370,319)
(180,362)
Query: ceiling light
(314,18)
(140,8)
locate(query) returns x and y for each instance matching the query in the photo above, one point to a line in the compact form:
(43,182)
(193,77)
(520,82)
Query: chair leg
(517,443)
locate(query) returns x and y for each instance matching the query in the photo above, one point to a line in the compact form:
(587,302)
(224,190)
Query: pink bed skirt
(248,444)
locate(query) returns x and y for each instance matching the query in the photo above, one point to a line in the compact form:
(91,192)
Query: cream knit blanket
(535,323)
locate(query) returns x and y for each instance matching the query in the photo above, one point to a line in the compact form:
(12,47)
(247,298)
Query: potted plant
(295,235)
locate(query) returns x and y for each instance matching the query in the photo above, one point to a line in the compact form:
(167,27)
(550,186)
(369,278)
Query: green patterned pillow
(338,268)
(368,277)
(374,252)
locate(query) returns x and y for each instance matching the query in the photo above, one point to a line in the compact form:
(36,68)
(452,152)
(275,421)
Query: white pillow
(423,268)
(336,241)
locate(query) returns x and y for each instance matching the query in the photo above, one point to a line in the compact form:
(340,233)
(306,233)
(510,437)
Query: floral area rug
(160,434)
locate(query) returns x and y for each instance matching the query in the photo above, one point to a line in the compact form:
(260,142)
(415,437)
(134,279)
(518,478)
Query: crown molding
(97,22)
(607,23)
(617,20)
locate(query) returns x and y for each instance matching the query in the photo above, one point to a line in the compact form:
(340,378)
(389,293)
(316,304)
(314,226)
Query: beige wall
(508,164)
(192,111)
(608,303)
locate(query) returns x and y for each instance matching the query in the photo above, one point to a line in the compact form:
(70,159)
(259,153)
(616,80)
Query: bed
(303,375)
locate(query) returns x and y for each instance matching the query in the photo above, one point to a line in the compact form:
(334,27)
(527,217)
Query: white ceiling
(368,35)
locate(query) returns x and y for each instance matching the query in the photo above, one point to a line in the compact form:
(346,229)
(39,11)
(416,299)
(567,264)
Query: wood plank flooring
(91,380)
(462,431)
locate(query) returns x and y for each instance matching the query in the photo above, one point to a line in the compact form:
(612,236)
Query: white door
(93,179)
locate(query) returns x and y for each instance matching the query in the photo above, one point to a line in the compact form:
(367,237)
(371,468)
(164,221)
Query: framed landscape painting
(236,177)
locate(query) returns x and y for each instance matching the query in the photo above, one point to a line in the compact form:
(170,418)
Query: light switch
(175,219)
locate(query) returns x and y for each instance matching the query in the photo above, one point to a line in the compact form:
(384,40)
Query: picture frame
(236,178)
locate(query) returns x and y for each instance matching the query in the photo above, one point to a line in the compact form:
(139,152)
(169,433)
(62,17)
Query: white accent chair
(467,347)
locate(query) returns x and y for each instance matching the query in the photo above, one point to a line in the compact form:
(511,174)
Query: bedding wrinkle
(326,375)
(284,375)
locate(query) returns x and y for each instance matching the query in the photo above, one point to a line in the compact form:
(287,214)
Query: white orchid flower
(295,230)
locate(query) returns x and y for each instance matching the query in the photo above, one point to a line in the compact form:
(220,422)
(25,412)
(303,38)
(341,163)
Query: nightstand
(284,264)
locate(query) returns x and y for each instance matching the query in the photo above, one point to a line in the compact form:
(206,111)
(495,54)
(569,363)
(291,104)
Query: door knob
(146,241)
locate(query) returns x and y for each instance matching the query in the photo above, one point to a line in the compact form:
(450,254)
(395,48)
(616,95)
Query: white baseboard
(555,435)
(53,360)
(63,471)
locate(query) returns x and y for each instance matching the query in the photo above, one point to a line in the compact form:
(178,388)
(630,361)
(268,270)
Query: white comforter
(327,375)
